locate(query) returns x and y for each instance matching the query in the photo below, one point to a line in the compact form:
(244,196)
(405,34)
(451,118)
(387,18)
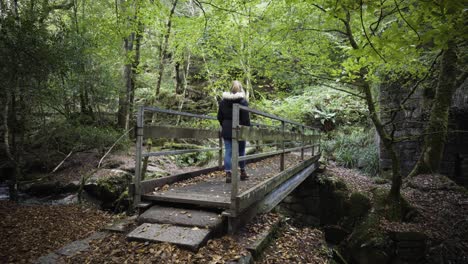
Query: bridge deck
(211,190)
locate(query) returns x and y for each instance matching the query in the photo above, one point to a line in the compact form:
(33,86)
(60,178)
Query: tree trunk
(436,131)
(178,79)
(184,85)
(123,112)
(387,142)
(130,72)
(6,117)
(135,64)
(163,49)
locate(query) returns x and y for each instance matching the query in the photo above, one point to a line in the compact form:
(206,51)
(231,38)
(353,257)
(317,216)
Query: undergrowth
(352,147)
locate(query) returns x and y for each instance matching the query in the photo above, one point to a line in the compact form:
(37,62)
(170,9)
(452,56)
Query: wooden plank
(149,185)
(257,192)
(260,155)
(172,112)
(276,196)
(195,199)
(178,132)
(177,152)
(256,133)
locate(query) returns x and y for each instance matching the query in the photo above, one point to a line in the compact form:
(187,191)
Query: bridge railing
(306,137)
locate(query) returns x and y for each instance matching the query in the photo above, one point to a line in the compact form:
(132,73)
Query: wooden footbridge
(188,208)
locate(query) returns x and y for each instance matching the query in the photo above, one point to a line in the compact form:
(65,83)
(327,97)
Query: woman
(236,96)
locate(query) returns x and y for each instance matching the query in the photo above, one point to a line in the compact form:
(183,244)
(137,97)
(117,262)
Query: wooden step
(187,237)
(181,217)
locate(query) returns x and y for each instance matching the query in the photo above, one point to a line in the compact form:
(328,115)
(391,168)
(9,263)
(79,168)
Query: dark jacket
(225,113)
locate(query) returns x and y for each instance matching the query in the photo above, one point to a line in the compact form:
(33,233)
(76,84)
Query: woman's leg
(227,154)
(242,153)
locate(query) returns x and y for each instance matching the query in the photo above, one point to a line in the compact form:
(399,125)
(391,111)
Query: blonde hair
(236,87)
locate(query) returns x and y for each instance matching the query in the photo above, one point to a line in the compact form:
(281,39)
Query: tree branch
(320,30)
(223,9)
(404,19)
(367,37)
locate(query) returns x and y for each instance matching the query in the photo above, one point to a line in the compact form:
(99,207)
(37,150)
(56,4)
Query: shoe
(228,177)
(243,175)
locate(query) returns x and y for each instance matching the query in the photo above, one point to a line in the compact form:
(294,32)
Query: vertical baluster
(303,142)
(139,143)
(282,146)
(235,158)
(220,153)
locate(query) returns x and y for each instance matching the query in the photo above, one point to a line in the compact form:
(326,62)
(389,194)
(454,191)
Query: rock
(409,236)
(289,199)
(359,205)
(335,234)
(309,220)
(322,167)
(113,164)
(371,255)
(108,185)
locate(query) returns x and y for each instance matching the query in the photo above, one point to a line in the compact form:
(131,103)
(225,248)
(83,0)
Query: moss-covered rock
(359,205)
(108,185)
(368,243)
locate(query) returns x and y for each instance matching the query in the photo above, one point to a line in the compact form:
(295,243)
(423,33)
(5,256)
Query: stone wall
(410,123)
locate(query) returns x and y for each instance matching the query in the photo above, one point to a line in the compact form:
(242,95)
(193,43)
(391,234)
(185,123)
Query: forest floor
(441,206)
(30,231)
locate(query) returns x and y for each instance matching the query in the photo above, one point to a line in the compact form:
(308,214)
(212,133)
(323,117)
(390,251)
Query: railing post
(220,153)
(235,158)
(320,141)
(303,142)
(282,146)
(312,142)
(139,146)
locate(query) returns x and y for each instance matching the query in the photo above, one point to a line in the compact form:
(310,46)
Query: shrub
(352,147)
(66,136)
(194,159)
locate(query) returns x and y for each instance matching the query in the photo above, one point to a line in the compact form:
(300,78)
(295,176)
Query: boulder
(108,185)
(359,205)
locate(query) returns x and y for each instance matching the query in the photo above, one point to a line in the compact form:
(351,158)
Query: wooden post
(282,146)
(312,142)
(220,153)
(139,146)
(235,158)
(320,141)
(303,143)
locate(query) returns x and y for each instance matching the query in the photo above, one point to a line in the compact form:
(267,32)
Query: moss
(360,205)
(379,180)
(388,208)
(332,182)
(112,187)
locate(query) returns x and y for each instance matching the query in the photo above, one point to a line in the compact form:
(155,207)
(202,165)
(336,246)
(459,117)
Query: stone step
(181,217)
(188,237)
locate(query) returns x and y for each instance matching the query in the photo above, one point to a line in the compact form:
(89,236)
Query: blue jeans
(228,154)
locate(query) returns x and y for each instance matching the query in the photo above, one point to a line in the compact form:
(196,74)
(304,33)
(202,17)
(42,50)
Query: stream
(62,199)
(4,193)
